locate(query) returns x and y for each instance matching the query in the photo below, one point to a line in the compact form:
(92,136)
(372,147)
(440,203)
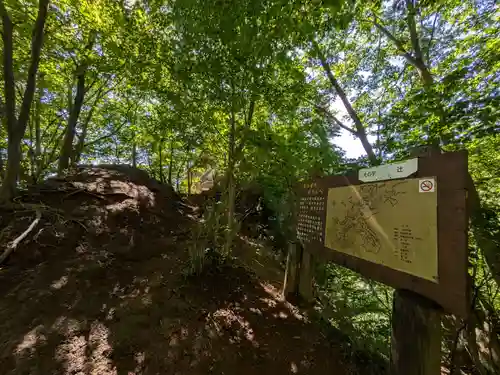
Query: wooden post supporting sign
(306,277)
(416,335)
(291,283)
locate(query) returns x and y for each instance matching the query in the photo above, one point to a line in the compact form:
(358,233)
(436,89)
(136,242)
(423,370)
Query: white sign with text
(389,171)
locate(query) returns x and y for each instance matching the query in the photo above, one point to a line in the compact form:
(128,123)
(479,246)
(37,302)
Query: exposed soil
(100,286)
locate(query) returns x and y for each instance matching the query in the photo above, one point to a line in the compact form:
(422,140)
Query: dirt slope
(99,287)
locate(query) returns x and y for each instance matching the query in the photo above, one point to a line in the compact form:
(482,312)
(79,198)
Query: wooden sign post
(402,224)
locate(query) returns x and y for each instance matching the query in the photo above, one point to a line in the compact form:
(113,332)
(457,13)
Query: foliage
(258,92)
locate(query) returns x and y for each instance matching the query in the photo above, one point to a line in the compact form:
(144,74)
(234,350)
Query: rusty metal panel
(450,288)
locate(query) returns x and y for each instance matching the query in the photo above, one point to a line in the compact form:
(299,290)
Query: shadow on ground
(107,293)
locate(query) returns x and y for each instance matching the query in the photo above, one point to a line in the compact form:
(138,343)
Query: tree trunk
(134,154)
(171,162)
(80,146)
(248,122)
(49,157)
(117,152)
(178,179)
(17,127)
(3,125)
(360,129)
(160,146)
(38,136)
(150,163)
(31,151)
(189,165)
(231,189)
(13,167)
(69,136)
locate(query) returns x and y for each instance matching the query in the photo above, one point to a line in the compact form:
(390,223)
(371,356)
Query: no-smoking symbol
(426,186)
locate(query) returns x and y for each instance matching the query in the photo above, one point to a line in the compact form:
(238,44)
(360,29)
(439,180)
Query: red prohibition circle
(426,185)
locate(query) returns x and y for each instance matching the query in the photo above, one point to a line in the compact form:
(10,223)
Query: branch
(48,159)
(427,54)
(114,131)
(417,63)
(248,120)
(99,92)
(396,42)
(52,122)
(52,157)
(109,135)
(330,115)
(13,245)
(89,87)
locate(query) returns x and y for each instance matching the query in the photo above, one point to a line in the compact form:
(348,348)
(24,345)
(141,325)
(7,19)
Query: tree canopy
(258,92)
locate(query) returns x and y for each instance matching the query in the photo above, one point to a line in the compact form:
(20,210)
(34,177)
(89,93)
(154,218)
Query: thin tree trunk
(13,168)
(171,162)
(3,125)
(360,129)
(231,189)
(38,137)
(31,150)
(1,159)
(69,136)
(80,146)
(50,157)
(67,151)
(17,127)
(134,154)
(117,152)
(70,96)
(189,165)
(248,122)
(178,179)
(160,146)
(150,163)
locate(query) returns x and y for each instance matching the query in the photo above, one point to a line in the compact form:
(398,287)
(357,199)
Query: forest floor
(100,286)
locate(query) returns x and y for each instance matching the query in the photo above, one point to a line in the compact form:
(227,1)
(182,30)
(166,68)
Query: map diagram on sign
(392,223)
